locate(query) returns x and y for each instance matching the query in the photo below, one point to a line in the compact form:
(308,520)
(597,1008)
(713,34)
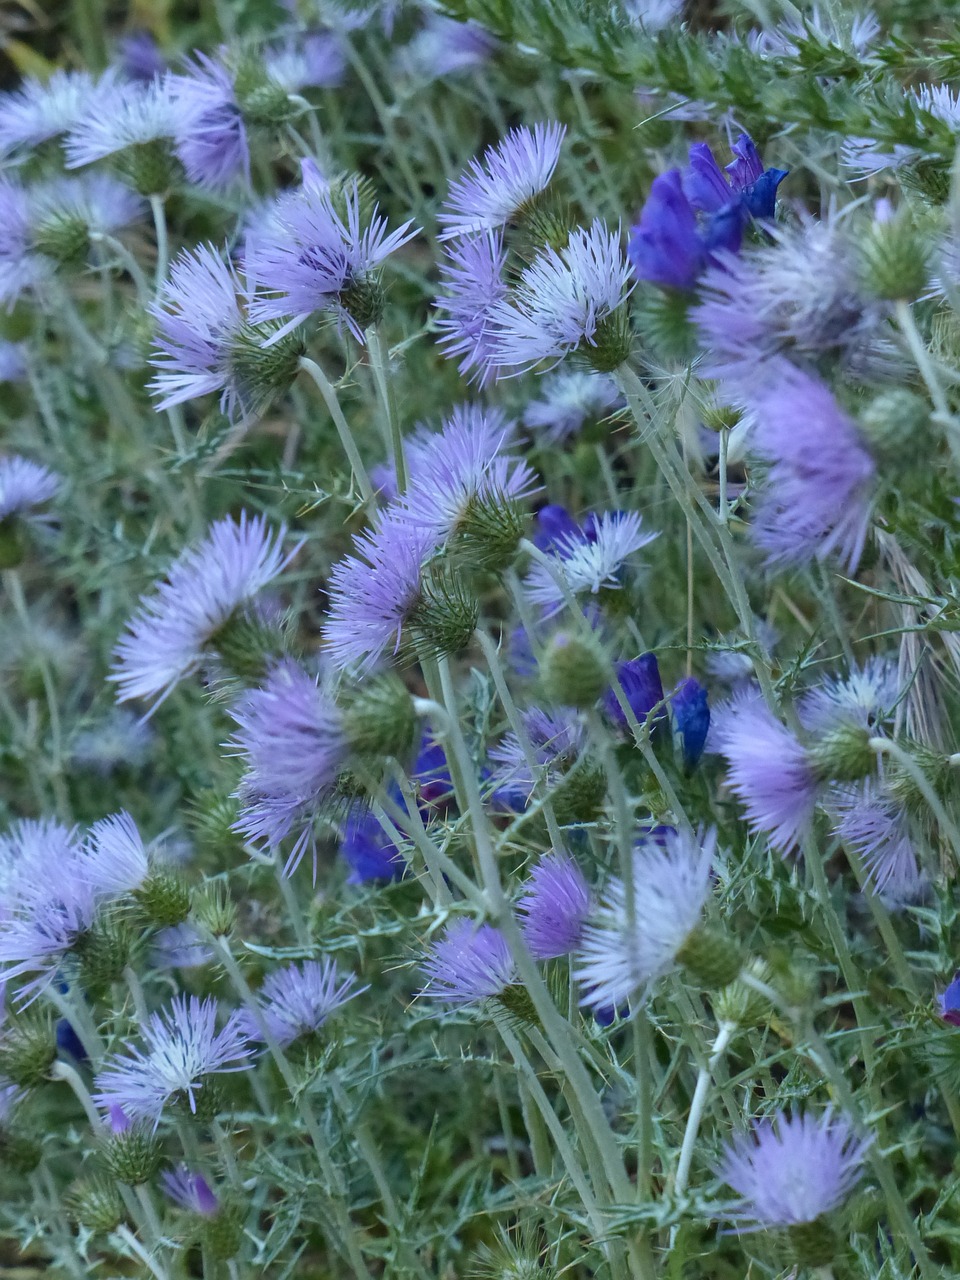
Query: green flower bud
(445,617)
(223,1233)
(263,373)
(611,345)
(64,238)
(843,754)
(149,167)
(214,910)
(379,718)
(248,644)
(810,1244)
(164,898)
(516,1002)
(903,787)
(95,1204)
(581,794)
(132,1156)
(210,818)
(489,532)
(665,325)
(20,1152)
(710,956)
(13,542)
(897,424)
(364,299)
(28,1048)
(894,258)
(540,222)
(205,1102)
(739,1004)
(104,950)
(574,671)
(262,101)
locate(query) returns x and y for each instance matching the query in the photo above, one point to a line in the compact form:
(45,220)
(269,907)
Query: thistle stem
(325,387)
(724,1035)
(394,435)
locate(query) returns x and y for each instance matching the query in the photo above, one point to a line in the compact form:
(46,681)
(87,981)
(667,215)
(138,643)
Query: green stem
(394,435)
(159,212)
(325,387)
(724,1036)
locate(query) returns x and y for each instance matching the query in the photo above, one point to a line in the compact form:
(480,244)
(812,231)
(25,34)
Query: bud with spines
(897,424)
(27,1049)
(133,1155)
(222,1233)
(574,671)
(149,167)
(264,366)
(710,956)
(610,345)
(843,754)
(64,238)
(810,1244)
(379,718)
(104,950)
(489,533)
(741,1005)
(214,910)
(20,1152)
(894,258)
(903,787)
(95,1204)
(248,644)
(445,616)
(164,898)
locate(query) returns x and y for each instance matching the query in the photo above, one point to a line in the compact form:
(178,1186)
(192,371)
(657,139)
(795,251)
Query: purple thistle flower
(140,57)
(817,498)
(443,47)
(115,861)
(13,361)
(561,300)
(166,639)
(554,907)
(950,1003)
(570,399)
(373,593)
(24,486)
(872,824)
(867,696)
(134,114)
(102,203)
(691,718)
(588,561)
(770,772)
(180,946)
(671,246)
(316,61)
(44,109)
(639,679)
(190,1191)
(470,963)
(558,740)
(369,852)
(493,190)
(620,957)
(298,1000)
(792,1170)
(22,268)
(461,466)
(183,1047)
(23,848)
(471,274)
(210,136)
(291,738)
(314,254)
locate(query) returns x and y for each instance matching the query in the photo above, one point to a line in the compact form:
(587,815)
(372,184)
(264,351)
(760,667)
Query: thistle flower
(770,772)
(554,907)
(291,738)
(444,47)
(570,399)
(118,740)
(875,827)
(115,861)
(67,212)
(792,1170)
(210,136)
(626,949)
(25,486)
(586,563)
(639,680)
(167,638)
(558,740)
(44,109)
(182,1050)
(817,498)
(315,255)
(297,1001)
(866,696)
(140,57)
(470,963)
(190,1191)
(471,274)
(315,60)
(22,266)
(136,114)
(566,300)
(180,947)
(13,361)
(494,190)
(23,848)
(854,32)
(369,852)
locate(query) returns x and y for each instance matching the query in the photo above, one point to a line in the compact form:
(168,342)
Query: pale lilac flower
(471,274)
(588,561)
(444,47)
(569,400)
(291,738)
(554,907)
(114,859)
(24,486)
(844,29)
(494,189)
(558,740)
(562,300)
(180,946)
(166,639)
(866,158)
(315,60)
(210,136)
(792,1170)
(44,109)
(182,1048)
(13,361)
(816,500)
(770,772)
(624,951)
(939,101)
(22,268)
(102,203)
(140,56)
(134,115)
(315,253)
(190,1191)
(298,1000)
(874,826)
(734,666)
(25,847)
(118,740)
(867,696)
(470,963)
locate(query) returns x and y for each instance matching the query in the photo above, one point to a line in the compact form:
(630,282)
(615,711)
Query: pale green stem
(725,1034)
(63,1071)
(136,994)
(325,387)
(288,894)
(138,1251)
(394,434)
(887,747)
(724,507)
(925,366)
(78,1015)
(163,248)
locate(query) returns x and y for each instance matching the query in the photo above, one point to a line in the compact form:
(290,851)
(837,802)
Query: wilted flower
(471,274)
(298,1000)
(470,963)
(554,907)
(494,190)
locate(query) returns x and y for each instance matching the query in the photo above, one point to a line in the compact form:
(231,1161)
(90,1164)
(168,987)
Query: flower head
(866,696)
(570,399)
(445,46)
(624,952)
(671,246)
(639,679)
(115,861)
(494,190)
(558,740)
(874,826)
(140,56)
(190,1191)
(44,109)
(792,1169)
(470,963)
(182,1049)
(135,114)
(566,300)
(554,907)
(369,852)
(298,1000)
(24,486)
(211,139)
(743,182)
(691,718)
(315,60)
(471,275)
(589,560)
(118,740)
(166,639)
(949,1002)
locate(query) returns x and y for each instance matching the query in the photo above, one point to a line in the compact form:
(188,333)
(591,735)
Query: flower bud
(542,221)
(897,424)
(262,373)
(149,167)
(810,1244)
(133,1155)
(740,1005)
(20,1152)
(516,1001)
(710,956)
(27,1049)
(164,898)
(574,671)
(248,643)
(843,754)
(63,237)
(665,325)
(363,298)
(903,787)
(579,797)
(489,532)
(379,718)
(611,344)
(445,617)
(894,257)
(104,950)
(211,818)
(205,1102)
(213,909)
(13,542)
(223,1233)
(95,1204)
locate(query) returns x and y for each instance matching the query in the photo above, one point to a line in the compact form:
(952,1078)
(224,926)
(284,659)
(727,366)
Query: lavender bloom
(22,267)
(494,190)
(140,57)
(134,115)
(183,1048)
(180,947)
(373,594)
(369,852)
(769,771)
(558,740)
(588,563)
(554,907)
(24,486)
(562,300)
(40,110)
(298,1000)
(120,740)
(98,201)
(470,963)
(23,849)
(875,828)
(792,1170)
(462,467)
(443,47)
(114,860)
(471,274)
(291,738)
(570,399)
(639,679)
(816,501)
(691,718)
(166,639)
(621,957)
(866,697)
(210,136)
(950,1003)
(190,1191)
(316,61)
(13,361)
(315,255)
(670,246)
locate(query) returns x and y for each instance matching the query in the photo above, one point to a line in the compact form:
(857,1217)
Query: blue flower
(369,852)
(554,907)
(639,679)
(691,716)
(469,964)
(744,181)
(950,1003)
(671,246)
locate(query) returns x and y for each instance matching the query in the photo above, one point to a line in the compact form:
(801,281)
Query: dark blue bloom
(691,716)
(666,246)
(431,776)
(370,853)
(640,681)
(69,1042)
(554,523)
(744,182)
(950,1003)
